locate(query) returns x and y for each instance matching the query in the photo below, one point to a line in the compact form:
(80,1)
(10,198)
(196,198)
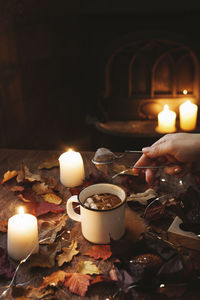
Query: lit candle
(188,116)
(166,120)
(71,169)
(22,235)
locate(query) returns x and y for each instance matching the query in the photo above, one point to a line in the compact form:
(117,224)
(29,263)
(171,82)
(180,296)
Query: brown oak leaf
(41,188)
(54,279)
(32,293)
(100,251)
(9,175)
(77,283)
(46,256)
(67,254)
(3,225)
(52,198)
(45,207)
(48,229)
(24,175)
(87,267)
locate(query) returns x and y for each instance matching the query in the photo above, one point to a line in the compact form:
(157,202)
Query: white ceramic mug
(98,226)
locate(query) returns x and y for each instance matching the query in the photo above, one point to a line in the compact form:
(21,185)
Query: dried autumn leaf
(27,195)
(87,267)
(101,278)
(6,268)
(100,251)
(155,212)
(46,256)
(52,198)
(49,163)
(8,175)
(77,283)
(25,175)
(68,253)
(48,229)
(52,183)
(41,188)
(54,279)
(32,293)
(17,188)
(3,225)
(45,207)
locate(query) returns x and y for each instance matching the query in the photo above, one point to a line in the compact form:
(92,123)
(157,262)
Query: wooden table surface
(12,160)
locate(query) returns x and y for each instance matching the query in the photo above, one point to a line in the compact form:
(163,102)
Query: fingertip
(145,149)
(135,171)
(149,175)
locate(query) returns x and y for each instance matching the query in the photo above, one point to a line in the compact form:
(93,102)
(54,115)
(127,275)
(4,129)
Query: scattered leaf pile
(149,263)
(38,195)
(137,270)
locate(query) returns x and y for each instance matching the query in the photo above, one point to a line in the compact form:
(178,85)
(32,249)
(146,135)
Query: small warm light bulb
(21,210)
(185,92)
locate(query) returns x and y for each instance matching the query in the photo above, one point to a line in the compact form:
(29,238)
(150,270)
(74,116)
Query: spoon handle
(134,151)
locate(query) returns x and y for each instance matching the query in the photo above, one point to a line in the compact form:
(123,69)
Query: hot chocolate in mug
(98,226)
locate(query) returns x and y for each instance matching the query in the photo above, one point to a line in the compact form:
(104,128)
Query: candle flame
(166,107)
(188,103)
(21,210)
(185,92)
(70,150)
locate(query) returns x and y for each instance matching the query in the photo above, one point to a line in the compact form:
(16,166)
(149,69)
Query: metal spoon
(139,167)
(104,156)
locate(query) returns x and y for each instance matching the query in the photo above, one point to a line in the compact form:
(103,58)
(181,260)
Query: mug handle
(70,210)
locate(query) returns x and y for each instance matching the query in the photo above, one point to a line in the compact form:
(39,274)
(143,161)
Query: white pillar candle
(166,120)
(188,116)
(71,169)
(22,236)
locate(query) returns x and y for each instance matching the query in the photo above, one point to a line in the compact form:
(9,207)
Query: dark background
(52,57)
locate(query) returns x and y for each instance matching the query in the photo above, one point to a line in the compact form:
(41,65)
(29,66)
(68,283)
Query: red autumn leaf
(77,283)
(100,251)
(101,278)
(6,268)
(43,208)
(3,225)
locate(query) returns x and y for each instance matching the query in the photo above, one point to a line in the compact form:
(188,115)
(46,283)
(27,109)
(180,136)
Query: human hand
(177,151)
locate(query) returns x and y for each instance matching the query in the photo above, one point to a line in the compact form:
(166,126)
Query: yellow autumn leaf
(54,279)
(87,267)
(8,175)
(52,198)
(67,254)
